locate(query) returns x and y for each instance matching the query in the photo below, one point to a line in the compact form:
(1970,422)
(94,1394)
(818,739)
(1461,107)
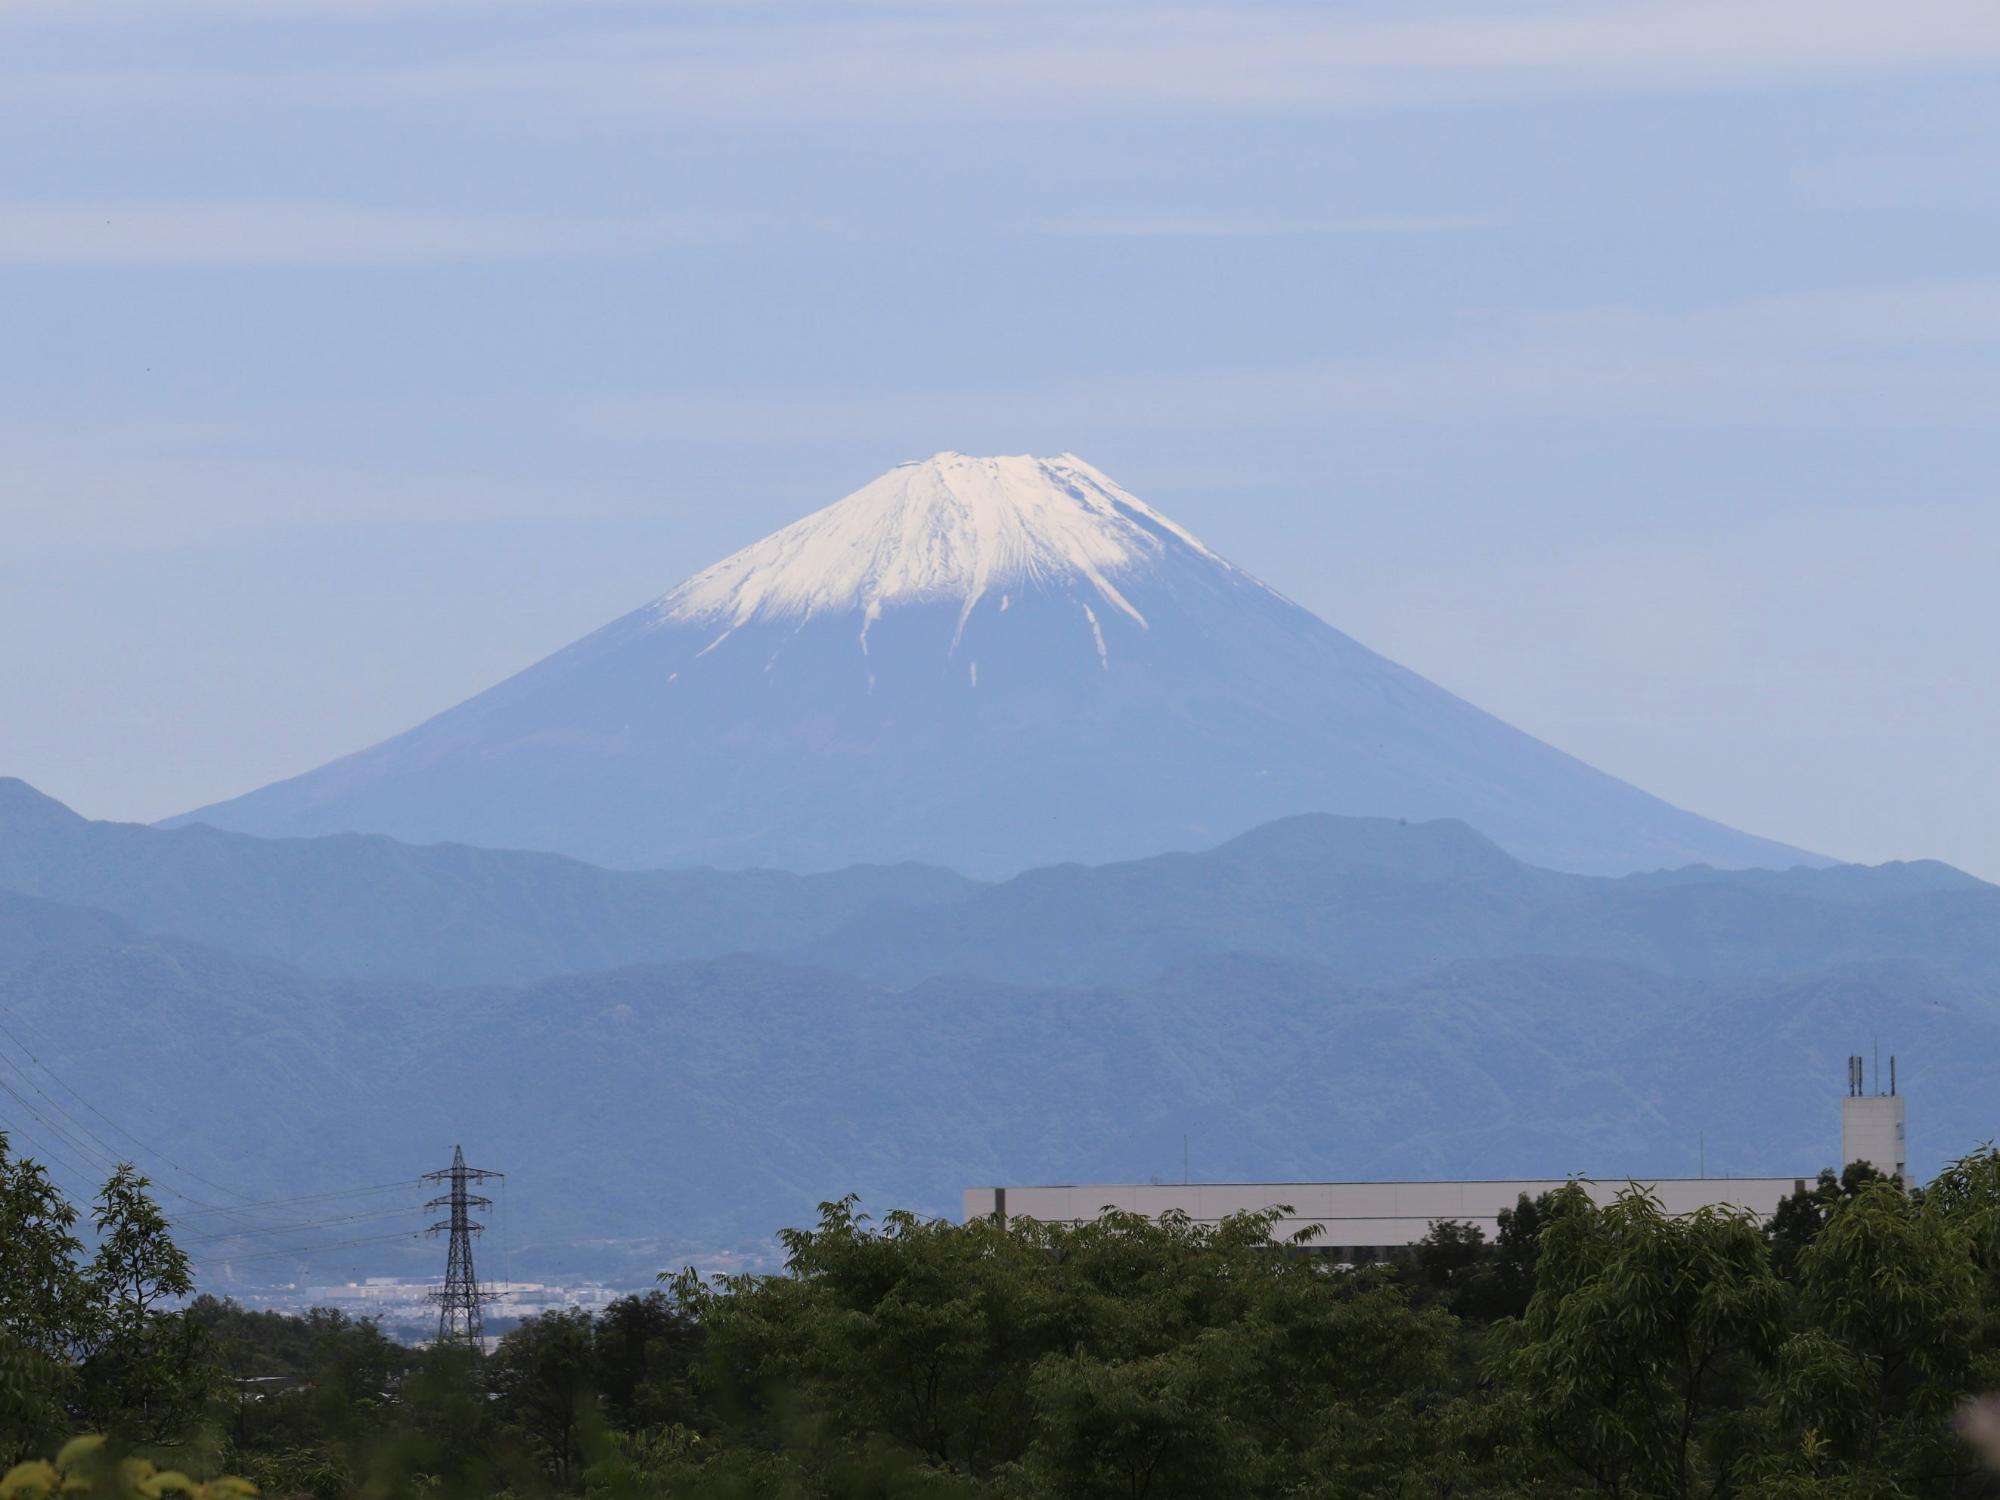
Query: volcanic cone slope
(989,663)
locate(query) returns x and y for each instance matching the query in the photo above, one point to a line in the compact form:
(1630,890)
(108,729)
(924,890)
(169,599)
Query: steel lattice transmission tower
(458,1300)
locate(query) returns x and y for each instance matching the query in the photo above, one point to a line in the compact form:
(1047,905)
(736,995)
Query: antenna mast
(458,1300)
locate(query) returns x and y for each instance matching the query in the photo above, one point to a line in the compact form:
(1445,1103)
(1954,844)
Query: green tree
(44,1307)
(447,1441)
(1800,1216)
(544,1383)
(1643,1333)
(1966,1195)
(1479,1281)
(1517,1252)
(295,1381)
(143,1375)
(1125,1355)
(352,1365)
(918,1335)
(1885,1355)
(1161,1425)
(1449,1257)
(645,1348)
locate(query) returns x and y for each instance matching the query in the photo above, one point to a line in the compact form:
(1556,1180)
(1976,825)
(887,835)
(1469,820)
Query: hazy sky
(1633,370)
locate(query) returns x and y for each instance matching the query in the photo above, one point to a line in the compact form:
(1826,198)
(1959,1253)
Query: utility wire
(79,1154)
(76,1157)
(356,1192)
(77,1094)
(111,1157)
(91,1143)
(74,1129)
(202,1214)
(296,1228)
(79,1148)
(313,1250)
(63,1157)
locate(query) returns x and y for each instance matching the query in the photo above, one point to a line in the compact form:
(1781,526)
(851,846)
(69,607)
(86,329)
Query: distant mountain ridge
(1374,899)
(368,907)
(991,664)
(1321,997)
(655,1115)
(1367,898)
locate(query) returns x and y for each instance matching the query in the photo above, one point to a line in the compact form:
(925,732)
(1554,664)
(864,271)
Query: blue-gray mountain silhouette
(984,663)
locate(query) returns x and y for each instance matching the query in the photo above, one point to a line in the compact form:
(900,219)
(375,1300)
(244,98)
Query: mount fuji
(989,663)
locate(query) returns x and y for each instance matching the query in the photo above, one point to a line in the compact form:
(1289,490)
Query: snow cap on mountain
(946,528)
(1111,688)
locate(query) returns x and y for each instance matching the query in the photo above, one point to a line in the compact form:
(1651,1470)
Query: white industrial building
(1871,1125)
(1362,1220)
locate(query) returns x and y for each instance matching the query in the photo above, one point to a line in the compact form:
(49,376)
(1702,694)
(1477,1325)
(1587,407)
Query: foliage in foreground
(89,1467)
(95,1340)
(1589,1349)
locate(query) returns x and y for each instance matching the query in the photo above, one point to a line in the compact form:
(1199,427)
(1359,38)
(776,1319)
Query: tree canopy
(1588,1348)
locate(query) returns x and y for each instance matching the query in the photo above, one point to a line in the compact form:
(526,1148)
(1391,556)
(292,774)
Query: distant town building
(1871,1125)
(1360,1221)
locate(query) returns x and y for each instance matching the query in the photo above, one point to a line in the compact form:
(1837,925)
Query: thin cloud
(982,61)
(1199,227)
(84,487)
(1045,62)
(1957,314)
(308,234)
(1870,357)
(1882,359)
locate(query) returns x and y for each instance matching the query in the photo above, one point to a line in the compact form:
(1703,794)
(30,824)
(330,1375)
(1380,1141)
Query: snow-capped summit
(988,663)
(949,527)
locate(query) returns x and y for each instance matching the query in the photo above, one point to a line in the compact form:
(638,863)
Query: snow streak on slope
(945,529)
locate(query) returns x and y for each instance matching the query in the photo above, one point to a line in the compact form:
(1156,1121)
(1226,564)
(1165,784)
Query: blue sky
(1630,369)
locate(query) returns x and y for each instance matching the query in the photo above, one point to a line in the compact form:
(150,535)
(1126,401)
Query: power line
(35,1149)
(201,1216)
(76,1157)
(298,1251)
(88,1154)
(80,1159)
(81,1144)
(108,1160)
(294,1228)
(76,1127)
(74,1164)
(111,1158)
(80,1162)
(77,1094)
(91,1144)
(356,1192)
(64,1152)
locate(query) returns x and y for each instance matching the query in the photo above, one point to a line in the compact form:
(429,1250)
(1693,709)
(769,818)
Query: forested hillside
(354,907)
(1585,1350)
(1325,998)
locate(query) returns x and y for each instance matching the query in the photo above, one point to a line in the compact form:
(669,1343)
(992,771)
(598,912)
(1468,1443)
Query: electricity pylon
(458,1300)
